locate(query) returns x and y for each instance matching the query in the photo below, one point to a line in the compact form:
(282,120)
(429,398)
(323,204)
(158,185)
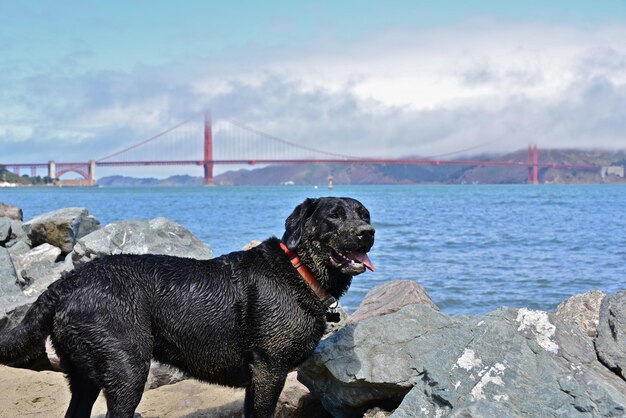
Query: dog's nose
(365,231)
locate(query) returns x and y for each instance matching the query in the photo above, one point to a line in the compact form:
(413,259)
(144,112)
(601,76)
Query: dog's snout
(365,231)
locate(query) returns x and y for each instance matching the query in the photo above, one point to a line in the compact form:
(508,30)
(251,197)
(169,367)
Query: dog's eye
(365,215)
(338,213)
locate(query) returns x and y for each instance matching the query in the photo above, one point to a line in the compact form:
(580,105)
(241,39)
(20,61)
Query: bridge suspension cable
(145,141)
(286,142)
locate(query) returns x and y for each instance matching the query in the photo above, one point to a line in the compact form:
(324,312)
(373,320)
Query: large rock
(611,340)
(157,236)
(17,247)
(391,297)
(61,228)
(38,276)
(18,235)
(5,230)
(44,254)
(12,310)
(510,362)
(13,303)
(582,310)
(10,211)
(8,275)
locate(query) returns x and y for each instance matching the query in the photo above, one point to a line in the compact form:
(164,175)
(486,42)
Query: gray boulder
(611,340)
(12,310)
(18,249)
(44,255)
(391,297)
(10,211)
(18,235)
(39,275)
(61,228)
(8,276)
(510,362)
(156,236)
(5,230)
(582,310)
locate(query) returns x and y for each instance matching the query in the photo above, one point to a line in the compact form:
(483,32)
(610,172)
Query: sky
(80,80)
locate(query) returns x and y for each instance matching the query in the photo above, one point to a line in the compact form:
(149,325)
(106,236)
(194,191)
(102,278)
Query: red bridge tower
(533,165)
(208,150)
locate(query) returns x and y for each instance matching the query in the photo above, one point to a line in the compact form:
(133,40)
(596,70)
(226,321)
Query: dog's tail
(24,345)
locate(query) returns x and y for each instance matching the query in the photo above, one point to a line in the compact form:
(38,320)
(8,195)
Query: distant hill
(343,174)
(123,181)
(412,174)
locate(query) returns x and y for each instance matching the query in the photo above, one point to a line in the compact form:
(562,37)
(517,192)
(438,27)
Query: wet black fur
(244,319)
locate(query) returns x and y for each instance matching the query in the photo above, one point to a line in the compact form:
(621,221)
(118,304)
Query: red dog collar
(308,276)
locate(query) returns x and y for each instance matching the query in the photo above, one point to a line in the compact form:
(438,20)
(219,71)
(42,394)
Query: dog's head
(332,236)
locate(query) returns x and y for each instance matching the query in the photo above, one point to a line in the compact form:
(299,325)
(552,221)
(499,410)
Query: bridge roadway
(380,161)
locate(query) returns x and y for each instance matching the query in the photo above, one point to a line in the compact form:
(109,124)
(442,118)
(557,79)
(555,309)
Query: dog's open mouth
(351,262)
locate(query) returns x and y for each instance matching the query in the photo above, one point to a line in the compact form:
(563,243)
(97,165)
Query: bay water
(473,247)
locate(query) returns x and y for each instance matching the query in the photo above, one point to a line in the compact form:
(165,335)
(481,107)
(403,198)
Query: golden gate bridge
(234,143)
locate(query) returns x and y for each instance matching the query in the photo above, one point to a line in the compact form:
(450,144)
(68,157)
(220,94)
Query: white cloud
(395,93)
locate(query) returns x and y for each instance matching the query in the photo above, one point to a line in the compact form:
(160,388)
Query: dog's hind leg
(262,394)
(84,394)
(124,384)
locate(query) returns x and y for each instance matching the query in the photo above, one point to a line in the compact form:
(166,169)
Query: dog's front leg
(268,379)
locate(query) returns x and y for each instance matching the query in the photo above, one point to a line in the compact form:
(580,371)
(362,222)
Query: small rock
(61,228)
(10,211)
(251,244)
(376,413)
(582,310)
(157,236)
(296,401)
(391,297)
(611,339)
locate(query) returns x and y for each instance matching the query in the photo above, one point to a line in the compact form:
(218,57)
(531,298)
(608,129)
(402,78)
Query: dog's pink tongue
(364,259)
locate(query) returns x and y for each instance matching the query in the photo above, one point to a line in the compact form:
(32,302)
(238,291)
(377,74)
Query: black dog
(244,319)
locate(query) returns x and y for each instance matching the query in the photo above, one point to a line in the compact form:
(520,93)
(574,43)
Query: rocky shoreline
(398,355)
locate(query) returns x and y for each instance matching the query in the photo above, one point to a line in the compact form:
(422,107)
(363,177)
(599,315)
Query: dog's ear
(295,223)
